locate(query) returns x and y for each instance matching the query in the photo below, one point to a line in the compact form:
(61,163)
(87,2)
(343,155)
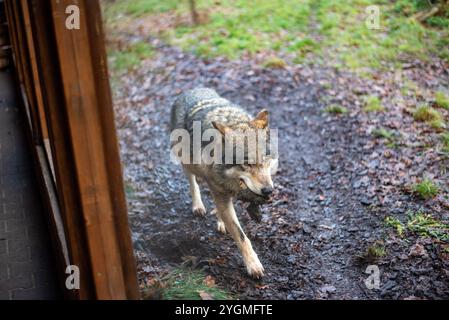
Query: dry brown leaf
(205,296)
(261,286)
(209,281)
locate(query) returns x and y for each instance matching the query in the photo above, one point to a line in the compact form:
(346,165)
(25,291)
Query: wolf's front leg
(226,212)
(198,207)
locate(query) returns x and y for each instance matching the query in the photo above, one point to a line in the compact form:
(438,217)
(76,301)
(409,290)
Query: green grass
(429,115)
(136,8)
(319,29)
(373,104)
(396,224)
(441,100)
(445,142)
(377,250)
(373,252)
(335,109)
(426,225)
(383,133)
(274,63)
(184,284)
(129,190)
(131,57)
(359,48)
(420,223)
(248,27)
(426,189)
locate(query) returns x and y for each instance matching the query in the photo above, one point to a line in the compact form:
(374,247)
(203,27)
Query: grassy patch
(373,253)
(426,189)
(395,223)
(377,250)
(391,141)
(129,190)
(335,109)
(136,8)
(421,224)
(237,27)
(358,47)
(383,133)
(183,284)
(275,63)
(429,115)
(339,31)
(124,60)
(426,225)
(441,100)
(373,104)
(445,142)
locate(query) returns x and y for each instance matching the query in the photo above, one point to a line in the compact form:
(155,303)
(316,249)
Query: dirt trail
(321,219)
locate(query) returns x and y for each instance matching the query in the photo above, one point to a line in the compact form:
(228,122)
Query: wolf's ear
(261,120)
(222,128)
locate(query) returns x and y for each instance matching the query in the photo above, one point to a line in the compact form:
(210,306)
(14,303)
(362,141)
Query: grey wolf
(226,180)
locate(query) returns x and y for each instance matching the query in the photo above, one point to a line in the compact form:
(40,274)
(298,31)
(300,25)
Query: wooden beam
(96,157)
(49,70)
(113,165)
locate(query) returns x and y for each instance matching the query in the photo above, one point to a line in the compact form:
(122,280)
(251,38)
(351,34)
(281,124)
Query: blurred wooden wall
(63,82)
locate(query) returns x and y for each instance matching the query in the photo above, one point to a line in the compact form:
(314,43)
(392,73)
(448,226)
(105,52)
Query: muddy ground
(335,186)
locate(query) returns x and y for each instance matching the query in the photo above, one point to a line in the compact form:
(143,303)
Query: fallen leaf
(261,286)
(209,281)
(205,296)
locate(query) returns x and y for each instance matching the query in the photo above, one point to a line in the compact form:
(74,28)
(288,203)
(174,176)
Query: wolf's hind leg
(198,207)
(226,212)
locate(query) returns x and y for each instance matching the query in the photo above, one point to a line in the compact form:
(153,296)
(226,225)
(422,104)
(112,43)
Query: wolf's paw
(255,268)
(199,211)
(221,227)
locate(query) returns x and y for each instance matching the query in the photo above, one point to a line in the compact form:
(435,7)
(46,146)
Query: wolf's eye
(245,167)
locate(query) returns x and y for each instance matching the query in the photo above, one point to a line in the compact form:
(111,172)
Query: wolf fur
(225,180)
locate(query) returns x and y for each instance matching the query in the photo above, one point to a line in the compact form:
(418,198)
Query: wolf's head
(251,163)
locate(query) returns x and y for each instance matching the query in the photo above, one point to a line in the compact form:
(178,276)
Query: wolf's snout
(267,191)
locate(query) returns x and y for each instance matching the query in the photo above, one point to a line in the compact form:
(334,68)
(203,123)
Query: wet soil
(330,202)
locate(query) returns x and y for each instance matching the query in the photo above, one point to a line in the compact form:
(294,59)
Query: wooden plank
(114,168)
(23,57)
(60,144)
(84,124)
(39,108)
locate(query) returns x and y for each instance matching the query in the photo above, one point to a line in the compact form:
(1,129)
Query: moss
(335,109)
(377,250)
(274,63)
(427,114)
(383,133)
(426,189)
(373,104)
(428,226)
(441,100)
(396,224)
(445,142)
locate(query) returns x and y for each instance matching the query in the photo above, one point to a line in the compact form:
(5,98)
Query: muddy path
(323,217)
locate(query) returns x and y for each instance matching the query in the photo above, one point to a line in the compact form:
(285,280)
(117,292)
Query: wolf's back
(186,101)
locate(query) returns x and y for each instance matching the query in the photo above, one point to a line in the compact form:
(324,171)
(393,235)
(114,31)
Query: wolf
(225,180)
